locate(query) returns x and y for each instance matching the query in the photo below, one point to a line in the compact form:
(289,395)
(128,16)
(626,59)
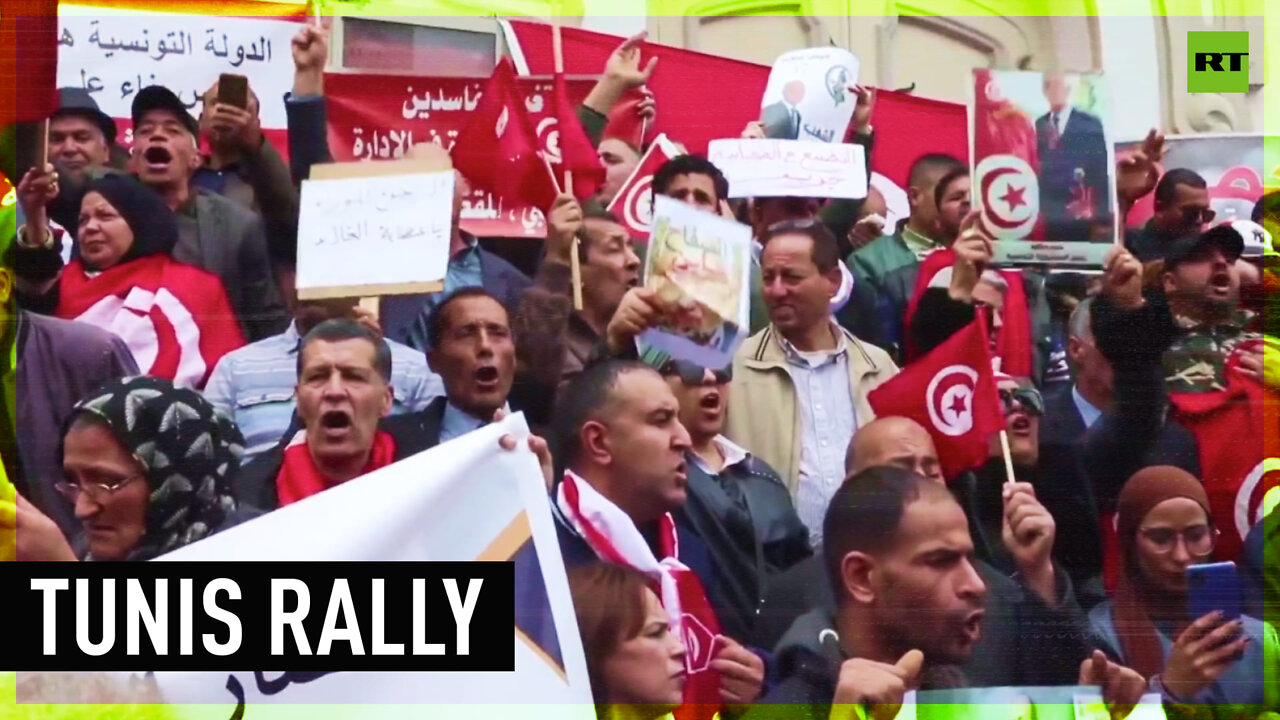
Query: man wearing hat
(214,233)
(81,136)
(1201,282)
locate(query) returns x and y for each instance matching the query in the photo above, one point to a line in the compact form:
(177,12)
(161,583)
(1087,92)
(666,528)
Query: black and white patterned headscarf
(188,452)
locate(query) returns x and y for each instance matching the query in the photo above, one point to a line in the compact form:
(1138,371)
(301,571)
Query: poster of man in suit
(1043,164)
(808,95)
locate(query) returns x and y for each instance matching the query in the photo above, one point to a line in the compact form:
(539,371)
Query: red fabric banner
(28,60)
(382,116)
(909,127)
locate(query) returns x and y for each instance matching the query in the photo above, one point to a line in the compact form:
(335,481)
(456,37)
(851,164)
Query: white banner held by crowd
(465,500)
(113,53)
(789,168)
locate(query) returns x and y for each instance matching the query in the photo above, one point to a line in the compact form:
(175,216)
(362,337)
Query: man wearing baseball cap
(81,136)
(1201,281)
(214,233)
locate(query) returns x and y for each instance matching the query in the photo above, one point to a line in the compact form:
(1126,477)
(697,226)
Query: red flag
(914,126)
(952,393)
(1014,342)
(634,202)
(28,60)
(625,123)
(498,149)
(577,154)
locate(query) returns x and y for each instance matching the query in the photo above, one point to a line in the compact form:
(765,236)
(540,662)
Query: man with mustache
(343,392)
(214,233)
(910,607)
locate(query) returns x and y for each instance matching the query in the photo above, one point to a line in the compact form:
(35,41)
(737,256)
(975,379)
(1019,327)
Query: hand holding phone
(1213,587)
(233,90)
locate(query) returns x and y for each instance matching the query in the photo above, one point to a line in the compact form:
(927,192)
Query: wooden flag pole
(557,46)
(575,266)
(1008,458)
(44,145)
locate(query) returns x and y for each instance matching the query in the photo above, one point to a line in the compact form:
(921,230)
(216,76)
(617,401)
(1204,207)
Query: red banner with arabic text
(376,117)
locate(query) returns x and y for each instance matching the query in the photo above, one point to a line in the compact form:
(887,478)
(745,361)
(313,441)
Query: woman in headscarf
(634,660)
(148,467)
(1164,527)
(175,318)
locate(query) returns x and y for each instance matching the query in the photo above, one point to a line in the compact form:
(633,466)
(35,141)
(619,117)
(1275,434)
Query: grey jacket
(223,238)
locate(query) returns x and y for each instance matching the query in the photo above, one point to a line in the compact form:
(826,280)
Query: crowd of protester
(822,546)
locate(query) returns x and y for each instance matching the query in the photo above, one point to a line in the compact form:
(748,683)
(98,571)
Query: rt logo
(1217,62)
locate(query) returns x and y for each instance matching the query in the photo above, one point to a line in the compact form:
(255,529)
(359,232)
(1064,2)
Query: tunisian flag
(1238,432)
(1014,341)
(577,154)
(952,393)
(634,202)
(174,317)
(28,60)
(498,149)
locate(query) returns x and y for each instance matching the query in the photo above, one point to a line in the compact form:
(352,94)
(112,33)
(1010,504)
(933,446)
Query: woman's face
(104,235)
(648,669)
(1173,536)
(114,521)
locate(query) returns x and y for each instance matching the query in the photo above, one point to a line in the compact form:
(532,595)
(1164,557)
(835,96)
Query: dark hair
(608,600)
(582,401)
(931,163)
(592,212)
(341,329)
(1166,189)
(689,165)
(865,512)
(944,183)
(826,251)
(1268,204)
(436,320)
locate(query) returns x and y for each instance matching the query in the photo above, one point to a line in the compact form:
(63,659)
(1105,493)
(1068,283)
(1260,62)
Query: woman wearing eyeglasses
(147,467)
(1164,526)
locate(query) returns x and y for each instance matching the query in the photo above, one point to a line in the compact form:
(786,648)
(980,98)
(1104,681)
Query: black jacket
(255,484)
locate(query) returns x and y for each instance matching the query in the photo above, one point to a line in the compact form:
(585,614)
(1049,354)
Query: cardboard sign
(368,229)
(702,262)
(788,168)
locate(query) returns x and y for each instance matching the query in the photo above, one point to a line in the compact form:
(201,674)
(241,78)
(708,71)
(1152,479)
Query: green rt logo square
(1218,62)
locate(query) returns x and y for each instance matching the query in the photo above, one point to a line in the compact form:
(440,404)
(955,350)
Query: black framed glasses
(97,491)
(693,374)
(1198,539)
(1029,399)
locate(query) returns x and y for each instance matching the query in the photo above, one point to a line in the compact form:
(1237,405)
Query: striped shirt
(255,384)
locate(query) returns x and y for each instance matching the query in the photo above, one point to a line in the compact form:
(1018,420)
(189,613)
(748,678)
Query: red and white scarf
(300,477)
(614,537)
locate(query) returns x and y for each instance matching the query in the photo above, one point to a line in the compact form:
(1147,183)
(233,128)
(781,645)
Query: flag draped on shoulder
(952,393)
(498,150)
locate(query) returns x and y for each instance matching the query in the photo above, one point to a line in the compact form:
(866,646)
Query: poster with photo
(700,262)
(1043,172)
(808,98)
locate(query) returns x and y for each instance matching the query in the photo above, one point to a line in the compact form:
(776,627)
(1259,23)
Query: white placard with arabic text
(114,53)
(371,231)
(790,168)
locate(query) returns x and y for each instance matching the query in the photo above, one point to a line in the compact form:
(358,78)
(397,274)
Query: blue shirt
(457,423)
(464,271)
(255,386)
(1088,412)
(827,422)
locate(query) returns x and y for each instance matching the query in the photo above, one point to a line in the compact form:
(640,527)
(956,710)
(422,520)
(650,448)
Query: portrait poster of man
(1043,173)
(807,97)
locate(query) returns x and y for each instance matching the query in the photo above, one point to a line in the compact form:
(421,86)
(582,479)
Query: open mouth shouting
(1019,425)
(336,424)
(157,159)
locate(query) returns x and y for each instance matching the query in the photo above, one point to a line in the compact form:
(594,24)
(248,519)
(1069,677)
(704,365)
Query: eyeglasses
(1192,215)
(796,224)
(1199,539)
(693,374)
(97,492)
(1029,399)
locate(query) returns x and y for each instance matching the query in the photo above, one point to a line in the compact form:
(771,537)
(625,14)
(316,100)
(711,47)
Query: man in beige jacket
(800,385)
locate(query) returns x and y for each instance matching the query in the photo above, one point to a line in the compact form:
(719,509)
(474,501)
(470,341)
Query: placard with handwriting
(790,168)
